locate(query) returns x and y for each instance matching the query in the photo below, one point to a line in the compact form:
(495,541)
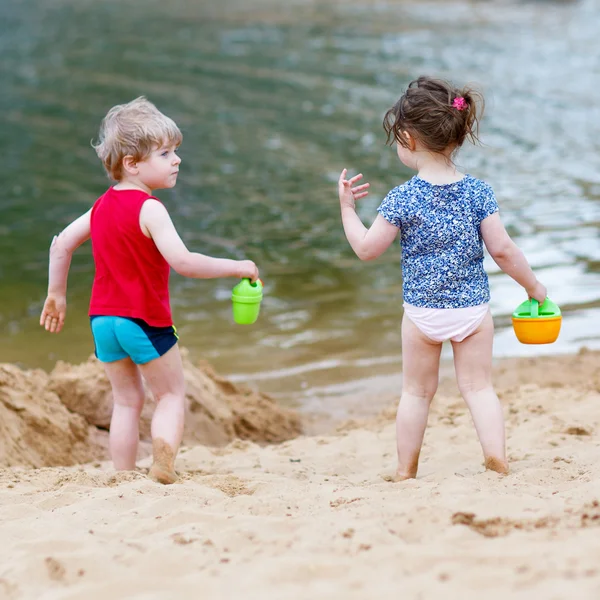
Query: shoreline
(329,400)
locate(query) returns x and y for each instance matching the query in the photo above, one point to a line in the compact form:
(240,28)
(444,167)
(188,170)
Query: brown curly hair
(426,112)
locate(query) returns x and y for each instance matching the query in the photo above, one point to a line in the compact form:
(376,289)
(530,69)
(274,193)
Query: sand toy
(246,298)
(537,324)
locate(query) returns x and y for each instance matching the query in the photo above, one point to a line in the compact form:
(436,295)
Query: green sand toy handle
(535,308)
(254,284)
(532,309)
(246,287)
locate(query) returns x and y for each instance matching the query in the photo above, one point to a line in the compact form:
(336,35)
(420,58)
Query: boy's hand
(53,313)
(247,269)
(347,192)
(538,291)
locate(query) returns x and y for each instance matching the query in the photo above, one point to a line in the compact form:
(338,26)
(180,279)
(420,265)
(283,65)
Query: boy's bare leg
(420,372)
(128,401)
(165,379)
(473,364)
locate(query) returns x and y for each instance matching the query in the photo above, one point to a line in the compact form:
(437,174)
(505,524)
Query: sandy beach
(265,511)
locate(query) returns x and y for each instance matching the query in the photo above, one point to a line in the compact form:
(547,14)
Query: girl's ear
(130,165)
(412,145)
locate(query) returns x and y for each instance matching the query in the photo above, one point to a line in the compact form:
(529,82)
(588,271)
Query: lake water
(273,102)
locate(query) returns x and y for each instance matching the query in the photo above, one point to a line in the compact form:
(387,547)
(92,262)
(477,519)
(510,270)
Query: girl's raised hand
(348,191)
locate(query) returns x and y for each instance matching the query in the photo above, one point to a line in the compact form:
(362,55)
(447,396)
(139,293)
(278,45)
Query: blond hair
(133,129)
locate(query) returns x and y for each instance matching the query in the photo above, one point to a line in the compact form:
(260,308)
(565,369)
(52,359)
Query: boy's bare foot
(163,467)
(495,464)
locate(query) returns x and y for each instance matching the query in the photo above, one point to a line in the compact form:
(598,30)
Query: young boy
(134,245)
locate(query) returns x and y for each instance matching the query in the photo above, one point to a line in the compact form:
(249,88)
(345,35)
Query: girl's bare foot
(163,467)
(495,464)
(403,475)
(397,477)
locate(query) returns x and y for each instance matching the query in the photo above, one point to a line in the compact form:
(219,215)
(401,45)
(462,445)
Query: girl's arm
(370,243)
(61,250)
(156,222)
(509,258)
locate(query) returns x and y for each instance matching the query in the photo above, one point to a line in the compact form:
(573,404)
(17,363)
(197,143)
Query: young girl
(443,216)
(134,245)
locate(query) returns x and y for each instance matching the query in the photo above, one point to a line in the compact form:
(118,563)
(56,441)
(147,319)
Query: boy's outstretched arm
(156,222)
(370,243)
(61,250)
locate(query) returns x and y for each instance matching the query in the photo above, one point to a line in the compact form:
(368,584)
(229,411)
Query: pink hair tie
(459,103)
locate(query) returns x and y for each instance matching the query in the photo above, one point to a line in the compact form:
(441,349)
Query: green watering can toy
(246,298)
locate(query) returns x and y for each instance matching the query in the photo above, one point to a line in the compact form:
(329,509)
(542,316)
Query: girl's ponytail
(435,113)
(469,104)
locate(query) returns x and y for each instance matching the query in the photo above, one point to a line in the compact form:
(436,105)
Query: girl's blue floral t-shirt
(442,248)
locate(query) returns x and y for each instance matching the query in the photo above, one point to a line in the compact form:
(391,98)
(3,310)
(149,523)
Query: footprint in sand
(11,590)
(56,570)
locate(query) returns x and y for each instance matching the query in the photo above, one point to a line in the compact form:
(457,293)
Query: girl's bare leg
(128,401)
(420,372)
(165,379)
(473,364)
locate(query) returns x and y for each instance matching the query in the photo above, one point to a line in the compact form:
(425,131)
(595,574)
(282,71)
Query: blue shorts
(116,338)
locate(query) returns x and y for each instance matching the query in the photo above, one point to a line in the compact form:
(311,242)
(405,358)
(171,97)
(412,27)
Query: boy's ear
(130,165)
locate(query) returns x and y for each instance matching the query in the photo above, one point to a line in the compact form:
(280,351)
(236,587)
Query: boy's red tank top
(132,277)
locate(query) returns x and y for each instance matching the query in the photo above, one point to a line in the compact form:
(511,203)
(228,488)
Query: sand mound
(36,429)
(63,418)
